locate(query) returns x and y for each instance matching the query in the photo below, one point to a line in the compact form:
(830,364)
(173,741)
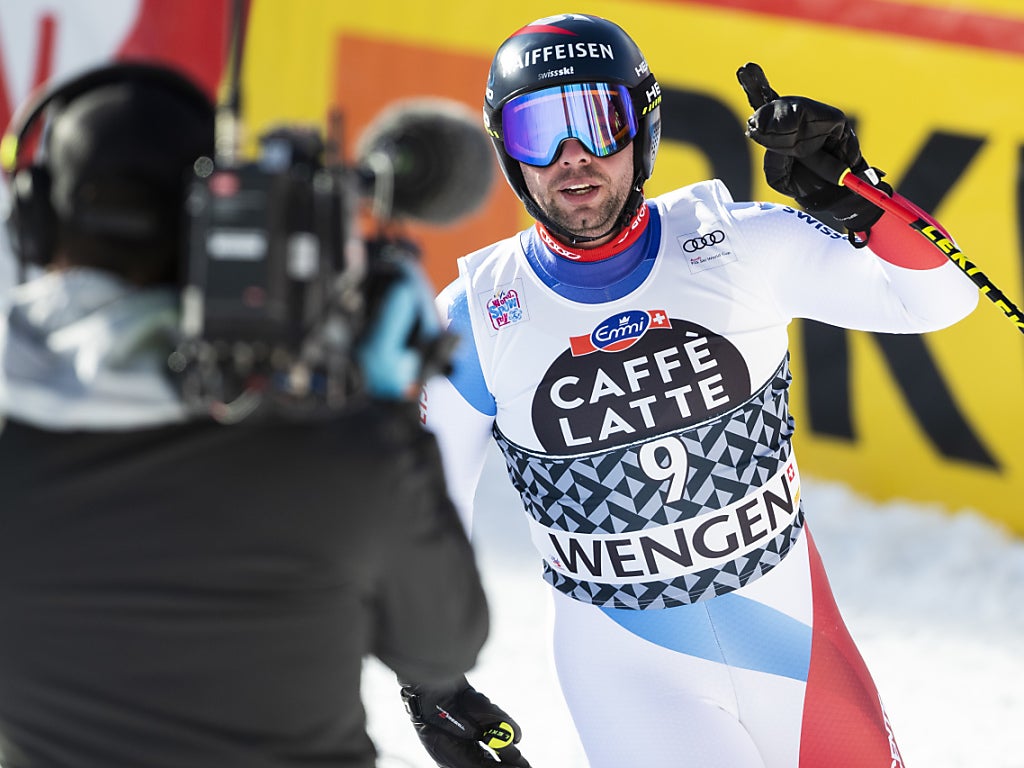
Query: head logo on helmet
(573,48)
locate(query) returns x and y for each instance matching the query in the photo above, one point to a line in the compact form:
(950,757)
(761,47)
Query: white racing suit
(641,404)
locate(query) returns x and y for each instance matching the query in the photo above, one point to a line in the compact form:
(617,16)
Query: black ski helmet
(574,48)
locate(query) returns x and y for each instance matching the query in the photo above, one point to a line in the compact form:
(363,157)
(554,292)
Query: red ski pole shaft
(897,207)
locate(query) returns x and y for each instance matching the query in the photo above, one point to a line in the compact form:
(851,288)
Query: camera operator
(174,591)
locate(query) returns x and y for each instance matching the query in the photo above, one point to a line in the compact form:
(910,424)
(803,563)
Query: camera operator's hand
(402,342)
(460,727)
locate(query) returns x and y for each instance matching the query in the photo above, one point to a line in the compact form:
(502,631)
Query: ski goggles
(599,115)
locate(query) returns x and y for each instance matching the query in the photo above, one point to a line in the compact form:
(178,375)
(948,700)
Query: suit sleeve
(459,409)
(892,286)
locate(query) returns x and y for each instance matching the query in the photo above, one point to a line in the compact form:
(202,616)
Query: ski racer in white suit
(629,356)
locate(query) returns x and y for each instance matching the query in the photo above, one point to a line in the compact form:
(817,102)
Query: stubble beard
(593,222)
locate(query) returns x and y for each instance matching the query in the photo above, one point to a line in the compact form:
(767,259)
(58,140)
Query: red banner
(40,43)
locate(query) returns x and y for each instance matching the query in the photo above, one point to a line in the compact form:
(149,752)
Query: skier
(629,357)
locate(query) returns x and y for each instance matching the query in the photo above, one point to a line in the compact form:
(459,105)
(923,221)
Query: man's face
(582,193)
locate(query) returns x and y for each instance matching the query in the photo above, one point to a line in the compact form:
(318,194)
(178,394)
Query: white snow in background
(933,598)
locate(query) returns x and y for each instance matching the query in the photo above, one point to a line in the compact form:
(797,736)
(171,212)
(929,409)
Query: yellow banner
(936,418)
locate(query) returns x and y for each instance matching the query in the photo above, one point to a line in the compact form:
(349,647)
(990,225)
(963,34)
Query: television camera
(280,279)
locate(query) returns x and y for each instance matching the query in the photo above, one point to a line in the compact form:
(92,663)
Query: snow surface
(935,601)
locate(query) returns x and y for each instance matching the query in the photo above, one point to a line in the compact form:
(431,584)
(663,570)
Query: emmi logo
(619,332)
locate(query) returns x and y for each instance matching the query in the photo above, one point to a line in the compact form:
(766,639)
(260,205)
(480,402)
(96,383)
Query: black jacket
(201,595)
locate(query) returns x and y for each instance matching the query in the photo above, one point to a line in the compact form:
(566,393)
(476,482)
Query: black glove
(809,144)
(458,724)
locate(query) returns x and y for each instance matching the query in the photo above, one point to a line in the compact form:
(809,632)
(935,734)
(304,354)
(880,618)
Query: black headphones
(31,221)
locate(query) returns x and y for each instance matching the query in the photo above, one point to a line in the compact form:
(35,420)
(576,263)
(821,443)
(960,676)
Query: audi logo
(696,243)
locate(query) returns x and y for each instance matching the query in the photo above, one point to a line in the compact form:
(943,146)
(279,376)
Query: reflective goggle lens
(600,115)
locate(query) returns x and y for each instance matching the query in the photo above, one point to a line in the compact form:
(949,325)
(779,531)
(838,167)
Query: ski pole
(759,92)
